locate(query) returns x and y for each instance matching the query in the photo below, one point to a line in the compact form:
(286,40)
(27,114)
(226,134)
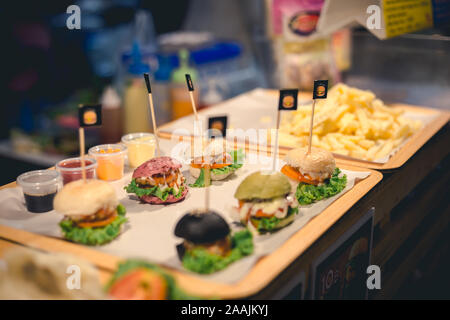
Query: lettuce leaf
(307,193)
(271,224)
(200,182)
(238,160)
(94,236)
(201,261)
(174,293)
(154,191)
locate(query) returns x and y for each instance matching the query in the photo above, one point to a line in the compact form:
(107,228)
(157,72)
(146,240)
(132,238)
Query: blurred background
(229,47)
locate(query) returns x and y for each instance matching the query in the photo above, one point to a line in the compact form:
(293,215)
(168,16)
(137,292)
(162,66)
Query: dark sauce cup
(39,188)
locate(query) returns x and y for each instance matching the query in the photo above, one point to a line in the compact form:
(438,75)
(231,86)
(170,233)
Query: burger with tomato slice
(265,203)
(92,212)
(209,244)
(158,181)
(221,163)
(140,280)
(314,175)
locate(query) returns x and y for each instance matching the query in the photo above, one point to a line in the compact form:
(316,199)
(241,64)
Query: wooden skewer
(311,126)
(194,107)
(207,184)
(82,147)
(275,151)
(152,112)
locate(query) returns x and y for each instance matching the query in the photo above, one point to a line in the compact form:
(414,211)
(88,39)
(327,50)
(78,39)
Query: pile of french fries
(350,122)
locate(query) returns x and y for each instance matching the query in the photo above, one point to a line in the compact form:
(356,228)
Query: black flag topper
(216,125)
(147,82)
(90,115)
(320,89)
(288,99)
(189,82)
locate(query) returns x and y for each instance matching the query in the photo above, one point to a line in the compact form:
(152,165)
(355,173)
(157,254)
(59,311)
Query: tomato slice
(197,163)
(100,223)
(140,284)
(297,175)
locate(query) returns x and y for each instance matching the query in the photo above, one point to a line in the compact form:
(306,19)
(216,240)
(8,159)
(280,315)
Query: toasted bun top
(159,165)
(85,198)
(202,227)
(215,147)
(263,186)
(318,161)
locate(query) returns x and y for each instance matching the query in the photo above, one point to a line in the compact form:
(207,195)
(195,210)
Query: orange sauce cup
(110,160)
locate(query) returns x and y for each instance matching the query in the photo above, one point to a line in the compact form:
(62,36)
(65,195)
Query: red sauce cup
(70,169)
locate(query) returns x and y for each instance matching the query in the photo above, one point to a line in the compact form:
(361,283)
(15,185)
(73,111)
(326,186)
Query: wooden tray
(411,146)
(262,273)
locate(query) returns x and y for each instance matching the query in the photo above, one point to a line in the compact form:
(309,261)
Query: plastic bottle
(179,94)
(136,112)
(111,129)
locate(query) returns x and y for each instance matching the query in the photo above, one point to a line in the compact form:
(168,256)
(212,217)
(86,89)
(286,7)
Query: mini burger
(208,245)
(313,175)
(311,168)
(222,164)
(158,181)
(92,213)
(264,202)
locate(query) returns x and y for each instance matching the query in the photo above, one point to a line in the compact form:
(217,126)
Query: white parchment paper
(149,232)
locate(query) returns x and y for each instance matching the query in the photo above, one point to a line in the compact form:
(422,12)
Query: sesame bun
(319,161)
(84,198)
(195,172)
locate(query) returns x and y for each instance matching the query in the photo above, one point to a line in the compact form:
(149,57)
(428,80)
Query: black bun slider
(202,227)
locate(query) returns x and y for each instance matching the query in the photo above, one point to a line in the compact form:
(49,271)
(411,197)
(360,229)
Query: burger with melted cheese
(92,212)
(265,202)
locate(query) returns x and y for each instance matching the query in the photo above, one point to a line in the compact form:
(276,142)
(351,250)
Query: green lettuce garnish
(94,236)
(270,224)
(154,191)
(174,293)
(201,261)
(200,182)
(238,160)
(307,193)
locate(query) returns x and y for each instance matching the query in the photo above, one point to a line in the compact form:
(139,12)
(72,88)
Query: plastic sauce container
(39,188)
(110,160)
(141,147)
(70,169)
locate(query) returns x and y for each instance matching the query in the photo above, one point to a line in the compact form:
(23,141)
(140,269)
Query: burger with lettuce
(313,174)
(208,243)
(92,212)
(158,181)
(265,203)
